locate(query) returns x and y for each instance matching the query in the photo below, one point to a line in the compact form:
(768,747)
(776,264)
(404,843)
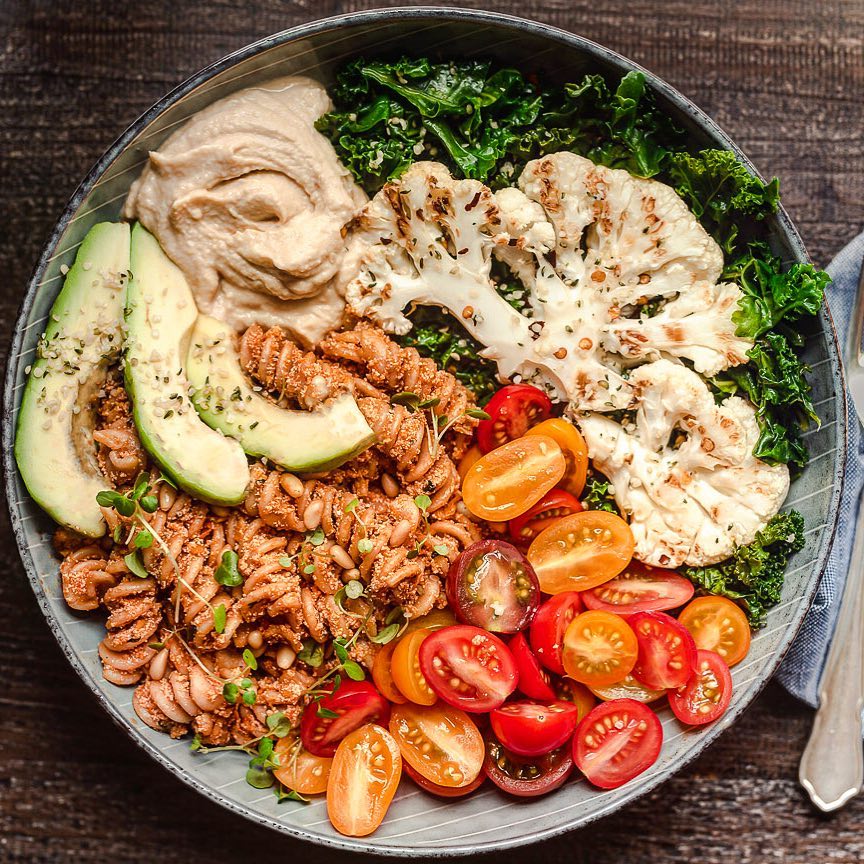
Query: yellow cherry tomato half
(629,688)
(581,551)
(363,780)
(472,455)
(434,620)
(300,770)
(600,649)
(719,625)
(512,478)
(405,669)
(575,450)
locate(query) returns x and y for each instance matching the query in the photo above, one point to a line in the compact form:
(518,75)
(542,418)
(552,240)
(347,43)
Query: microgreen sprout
(438,424)
(227,573)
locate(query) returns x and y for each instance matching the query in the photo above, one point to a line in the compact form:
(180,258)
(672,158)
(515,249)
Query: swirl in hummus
(251,202)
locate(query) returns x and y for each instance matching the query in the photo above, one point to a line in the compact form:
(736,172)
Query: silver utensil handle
(832,765)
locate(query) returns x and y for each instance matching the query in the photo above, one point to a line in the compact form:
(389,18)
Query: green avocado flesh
(53,442)
(295,440)
(160,315)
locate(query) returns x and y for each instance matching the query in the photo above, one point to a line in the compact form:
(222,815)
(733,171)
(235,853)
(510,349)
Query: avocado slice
(295,440)
(160,315)
(53,441)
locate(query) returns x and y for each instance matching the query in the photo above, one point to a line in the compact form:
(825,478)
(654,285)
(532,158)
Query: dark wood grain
(784,77)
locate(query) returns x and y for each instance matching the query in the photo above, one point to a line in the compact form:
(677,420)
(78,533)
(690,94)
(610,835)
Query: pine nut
(389,485)
(255,640)
(349,575)
(159,665)
(312,515)
(285,657)
(400,533)
(292,485)
(341,557)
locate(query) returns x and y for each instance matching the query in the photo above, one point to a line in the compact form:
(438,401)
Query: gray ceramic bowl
(417,823)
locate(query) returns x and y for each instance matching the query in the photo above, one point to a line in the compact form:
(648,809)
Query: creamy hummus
(250,201)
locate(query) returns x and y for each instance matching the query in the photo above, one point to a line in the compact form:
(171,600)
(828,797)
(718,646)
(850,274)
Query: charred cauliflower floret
(685,473)
(590,243)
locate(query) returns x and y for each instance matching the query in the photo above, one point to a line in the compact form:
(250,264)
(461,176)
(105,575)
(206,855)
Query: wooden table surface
(784,77)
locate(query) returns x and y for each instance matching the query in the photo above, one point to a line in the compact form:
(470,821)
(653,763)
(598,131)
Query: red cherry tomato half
(640,588)
(531,729)
(548,628)
(707,694)
(354,704)
(512,411)
(534,681)
(526,776)
(468,667)
(553,505)
(442,791)
(616,742)
(491,585)
(667,652)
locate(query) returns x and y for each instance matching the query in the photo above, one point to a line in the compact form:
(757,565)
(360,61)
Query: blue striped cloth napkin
(802,668)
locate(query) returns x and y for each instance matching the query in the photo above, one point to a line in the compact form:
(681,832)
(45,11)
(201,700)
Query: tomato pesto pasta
(395,426)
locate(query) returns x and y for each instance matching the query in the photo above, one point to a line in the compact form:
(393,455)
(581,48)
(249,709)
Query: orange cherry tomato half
(629,688)
(405,669)
(599,649)
(508,481)
(383,677)
(575,451)
(472,454)
(568,690)
(616,742)
(552,506)
(640,588)
(719,625)
(440,742)
(581,551)
(299,769)
(442,791)
(512,411)
(363,780)
(706,696)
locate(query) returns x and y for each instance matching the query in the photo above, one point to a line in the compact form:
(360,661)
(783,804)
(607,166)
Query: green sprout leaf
(340,651)
(259,778)
(220,618)
(279,724)
(312,654)
(423,502)
(478,414)
(285,560)
(352,505)
(354,589)
(354,670)
(308,569)
(441,549)
(143,540)
(230,692)
(249,659)
(316,538)
(365,546)
(227,573)
(195,743)
(249,698)
(327,714)
(142,484)
(385,634)
(136,565)
(289,795)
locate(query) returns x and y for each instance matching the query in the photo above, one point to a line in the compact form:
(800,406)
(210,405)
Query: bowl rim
(202,76)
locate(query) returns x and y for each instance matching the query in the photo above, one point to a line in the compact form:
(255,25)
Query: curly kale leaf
(770,294)
(596,495)
(438,335)
(753,576)
(722,193)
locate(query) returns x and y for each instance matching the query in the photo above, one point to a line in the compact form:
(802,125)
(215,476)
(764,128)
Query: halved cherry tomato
(707,694)
(718,624)
(667,652)
(553,506)
(574,447)
(442,791)
(568,690)
(640,588)
(507,482)
(512,411)
(581,551)
(531,729)
(383,677)
(468,667)
(363,780)
(472,454)
(299,769)
(534,681)
(526,776)
(616,742)
(354,704)
(440,742)
(491,585)
(629,688)
(406,671)
(599,649)
(434,620)
(549,625)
